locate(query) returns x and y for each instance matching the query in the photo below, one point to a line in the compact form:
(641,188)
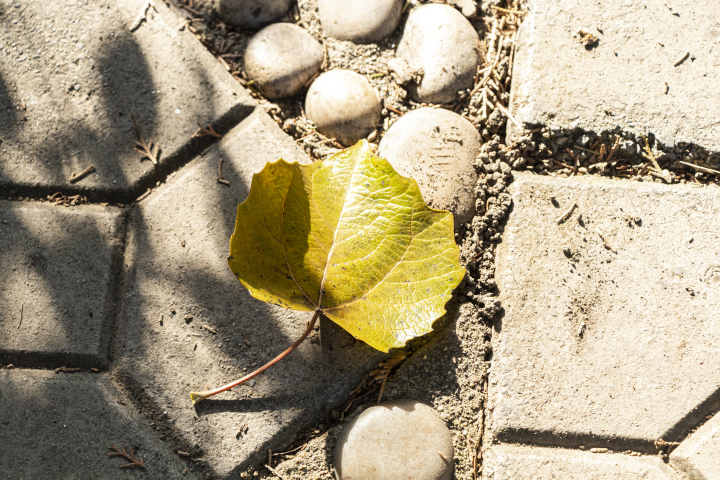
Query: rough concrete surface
(178,282)
(71,73)
(611,317)
(621,81)
(80,415)
(698,457)
(445,370)
(58,282)
(510,462)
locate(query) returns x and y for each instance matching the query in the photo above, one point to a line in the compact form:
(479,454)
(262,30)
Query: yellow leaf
(351,238)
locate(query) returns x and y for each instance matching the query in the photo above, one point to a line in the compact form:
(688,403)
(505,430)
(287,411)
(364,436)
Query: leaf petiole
(200,396)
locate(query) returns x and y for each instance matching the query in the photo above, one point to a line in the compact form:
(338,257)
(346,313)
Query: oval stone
(437,148)
(281,58)
(442,43)
(393,440)
(360,21)
(343,105)
(251,14)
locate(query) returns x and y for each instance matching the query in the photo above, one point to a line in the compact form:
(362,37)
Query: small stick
(220,178)
(684,57)
(562,164)
(612,150)
(393,109)
(509,10)
(508,114)
(209,329)
(565,215)
(75,177)
(21,315)
(144,195)
(274,472)
(606,244)
(204,132)
(704,169)
(269,457)
(141,16)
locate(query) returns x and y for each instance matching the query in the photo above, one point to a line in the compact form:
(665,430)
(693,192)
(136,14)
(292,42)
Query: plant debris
(220,178)
(68,370)
(586,38)
(205,132)
(148,149)
(74,177)
(127,456)
(60,199)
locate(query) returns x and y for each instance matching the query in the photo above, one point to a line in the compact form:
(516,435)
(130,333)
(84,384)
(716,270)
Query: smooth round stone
(440,41)
(343,105)
(281,58)
(437,148)
(393,440)
(251,14)
(360,21)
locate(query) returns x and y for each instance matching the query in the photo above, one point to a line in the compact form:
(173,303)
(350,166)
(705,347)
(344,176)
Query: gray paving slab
(61,427)
(513,462)
(72,73)
(698,457)
(58,284)
(611,317)
(621,81)
(178,282)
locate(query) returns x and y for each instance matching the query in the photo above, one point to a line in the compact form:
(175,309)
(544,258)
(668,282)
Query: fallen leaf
(351,238)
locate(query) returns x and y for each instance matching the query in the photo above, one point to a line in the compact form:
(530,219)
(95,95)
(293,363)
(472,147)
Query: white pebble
(343,105)
(360,21)
(443,45)
(281,58)
(437,148)
(252,13)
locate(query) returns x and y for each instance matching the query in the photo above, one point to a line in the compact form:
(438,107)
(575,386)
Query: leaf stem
(200,396)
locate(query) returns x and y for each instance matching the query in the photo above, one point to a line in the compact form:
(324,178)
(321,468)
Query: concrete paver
(58,283)
(61,426)
(611,317)
(71,73)
(509,462)
(179,282)
(622,80)
(698,457)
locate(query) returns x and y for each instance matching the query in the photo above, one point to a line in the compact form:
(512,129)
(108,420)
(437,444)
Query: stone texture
(599,348)
(68,87)
(506,462)
(343,105)
(61,426)
(360,21)
(252,14)
(281,58)
(621,81)
(389,440)
(442,43)
(437,148)
(698,457)
(59,268)
(178,281)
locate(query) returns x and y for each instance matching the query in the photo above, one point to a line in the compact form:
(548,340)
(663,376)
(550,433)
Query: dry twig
(74,177)
(142,16)
(127,456)
(220,178)
(205,132)
(565,215)
(146,148)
